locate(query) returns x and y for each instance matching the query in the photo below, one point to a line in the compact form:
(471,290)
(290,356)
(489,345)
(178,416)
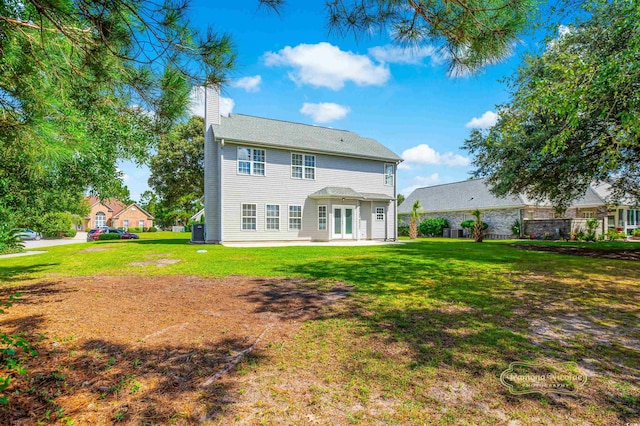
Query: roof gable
(297,136)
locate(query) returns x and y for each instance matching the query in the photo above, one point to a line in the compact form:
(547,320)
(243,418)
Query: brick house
(116,214)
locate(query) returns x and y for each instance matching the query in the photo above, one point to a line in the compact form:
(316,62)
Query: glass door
(343,222)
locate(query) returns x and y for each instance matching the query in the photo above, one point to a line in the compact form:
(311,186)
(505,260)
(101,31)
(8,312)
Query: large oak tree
(574,117)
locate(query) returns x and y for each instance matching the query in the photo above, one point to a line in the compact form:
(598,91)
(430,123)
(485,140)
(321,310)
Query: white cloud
(324,112)
(406,55)
(424,154)
(488,119)
(250,84)
(404,166)
(125,177)
(226,106)
(325,65)
(197,103)
(422,181)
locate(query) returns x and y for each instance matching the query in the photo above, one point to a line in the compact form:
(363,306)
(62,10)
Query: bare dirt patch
(95,249)
(149,350)
(156,262)
(620,254)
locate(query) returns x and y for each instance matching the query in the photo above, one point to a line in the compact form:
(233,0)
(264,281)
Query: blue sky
(290,68)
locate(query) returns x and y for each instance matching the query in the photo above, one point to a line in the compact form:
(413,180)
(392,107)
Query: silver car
(28,234)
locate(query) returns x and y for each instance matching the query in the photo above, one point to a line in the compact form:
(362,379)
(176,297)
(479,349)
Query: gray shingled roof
(457,196)
(288,135)
(475,194)
(342,192)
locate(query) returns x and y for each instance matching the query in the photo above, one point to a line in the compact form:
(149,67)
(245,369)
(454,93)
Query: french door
(343,222)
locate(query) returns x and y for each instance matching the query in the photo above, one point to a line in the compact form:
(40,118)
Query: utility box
(197,233)
(446,232)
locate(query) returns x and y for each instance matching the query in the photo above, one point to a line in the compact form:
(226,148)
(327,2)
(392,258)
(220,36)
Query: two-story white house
(270,180)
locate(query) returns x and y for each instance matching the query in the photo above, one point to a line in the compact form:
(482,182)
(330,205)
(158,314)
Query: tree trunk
(413,230)
(478,232)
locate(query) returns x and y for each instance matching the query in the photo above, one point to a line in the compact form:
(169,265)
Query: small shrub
(153,229)
(71,233)
(516,227)
(614,234)
(135,229)
(9,240)
(106,237)
(403,231)
(433,227)
(592,225)
(470,224)
(636,232)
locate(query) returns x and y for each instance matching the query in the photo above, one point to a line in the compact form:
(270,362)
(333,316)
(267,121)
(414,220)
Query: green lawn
(426,332)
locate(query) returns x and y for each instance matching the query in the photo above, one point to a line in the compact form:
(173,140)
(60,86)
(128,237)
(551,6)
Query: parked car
(127,235)
(93,234)
(28,234)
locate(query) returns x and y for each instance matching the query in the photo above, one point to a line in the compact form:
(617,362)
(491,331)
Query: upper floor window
(388,174)
(251,161)
(303,166)
(587,215)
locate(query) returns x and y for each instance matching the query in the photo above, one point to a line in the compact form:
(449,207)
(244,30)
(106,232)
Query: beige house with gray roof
(455,201)
(272,180)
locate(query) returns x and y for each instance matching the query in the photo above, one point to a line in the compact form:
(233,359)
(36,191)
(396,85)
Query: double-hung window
(380,214)
(322,218)
(249,217)
(251,161)
(295,218)
(273,217)
(388,174)
(303,166)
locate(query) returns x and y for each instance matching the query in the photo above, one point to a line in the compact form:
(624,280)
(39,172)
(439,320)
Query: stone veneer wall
(499,221)
(557,228)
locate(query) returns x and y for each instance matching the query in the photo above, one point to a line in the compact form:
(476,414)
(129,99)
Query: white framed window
(101,219)
(633,217)
(322,218)
(251,161)
(587,215)
(303,166)
(249,217)
(380,214)
(125,223)
(141,223)
(295,218)
(272,213)
(388,174)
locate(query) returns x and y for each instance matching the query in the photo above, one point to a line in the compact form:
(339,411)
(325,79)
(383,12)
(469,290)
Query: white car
(28,234)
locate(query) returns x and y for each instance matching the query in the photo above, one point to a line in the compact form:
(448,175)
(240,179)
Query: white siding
(277,187)
(212,178)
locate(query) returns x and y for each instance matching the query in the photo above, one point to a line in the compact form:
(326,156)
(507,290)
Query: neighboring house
(455,202)
(276,180)
(623,215)
(116,214)
(198,216)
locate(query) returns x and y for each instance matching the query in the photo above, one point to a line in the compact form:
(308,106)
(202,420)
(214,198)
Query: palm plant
(415,217)
(478,227)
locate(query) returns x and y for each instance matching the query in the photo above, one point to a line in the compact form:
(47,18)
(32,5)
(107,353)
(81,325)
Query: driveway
(81,237)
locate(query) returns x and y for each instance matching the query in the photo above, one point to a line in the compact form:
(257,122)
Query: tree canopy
(470,33)
(86,83)
(177,170)
(574,117)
